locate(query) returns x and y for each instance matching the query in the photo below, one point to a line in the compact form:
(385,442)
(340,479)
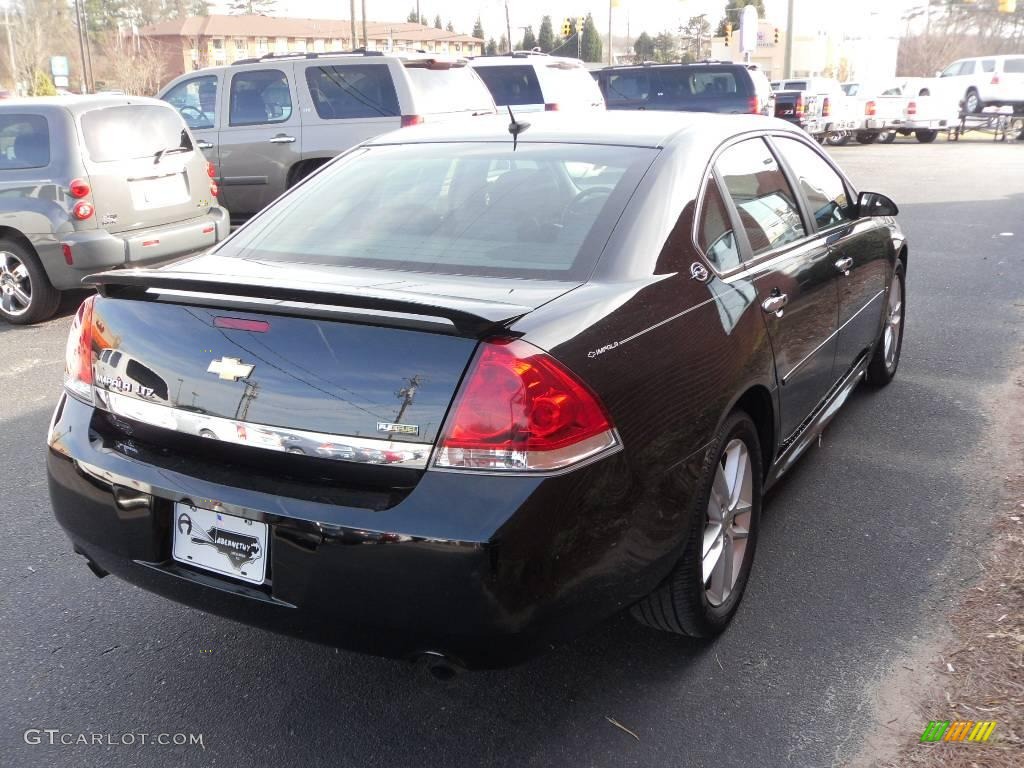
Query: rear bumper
(883,123)
(97,250)
(486,570)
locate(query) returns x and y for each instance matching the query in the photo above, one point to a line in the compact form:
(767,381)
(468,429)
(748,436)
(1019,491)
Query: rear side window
(665,87)
(359,90)
(195,100)
(512,85)
(988,65)
(570,83)
(447,89)
(113,133)
(715,235)
(822,187)
(259,97)
(766,203)
(24,142)
(1013,65)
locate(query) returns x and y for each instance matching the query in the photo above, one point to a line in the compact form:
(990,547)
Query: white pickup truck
(880,110)
(925,113)
(819,106)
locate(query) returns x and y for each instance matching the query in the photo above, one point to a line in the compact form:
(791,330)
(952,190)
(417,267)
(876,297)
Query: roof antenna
(515,128)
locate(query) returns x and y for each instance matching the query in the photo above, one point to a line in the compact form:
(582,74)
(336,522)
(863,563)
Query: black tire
(43,297)
(837,138)
(294,449)
(887,137)
(208,434)
(978,104)
(867,138)
(926,137)
(882,369)
(680,604)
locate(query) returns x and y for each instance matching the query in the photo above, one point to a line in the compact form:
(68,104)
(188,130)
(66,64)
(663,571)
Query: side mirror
(938,73)
(876,204)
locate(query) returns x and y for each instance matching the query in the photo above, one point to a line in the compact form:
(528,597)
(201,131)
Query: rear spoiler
(470,317)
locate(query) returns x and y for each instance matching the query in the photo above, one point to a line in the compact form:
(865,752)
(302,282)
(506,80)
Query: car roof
(540,59)
(334,57)
(669,65)
(634,128)
(74,104)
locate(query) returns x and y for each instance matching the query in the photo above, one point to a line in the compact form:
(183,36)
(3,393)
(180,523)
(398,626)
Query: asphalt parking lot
(863,546)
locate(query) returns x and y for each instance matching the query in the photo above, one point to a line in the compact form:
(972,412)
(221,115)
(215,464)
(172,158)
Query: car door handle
(282,139)
(204,145)
(844,264)
(774,304)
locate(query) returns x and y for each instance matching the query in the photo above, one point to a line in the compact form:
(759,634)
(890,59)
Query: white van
(531,81)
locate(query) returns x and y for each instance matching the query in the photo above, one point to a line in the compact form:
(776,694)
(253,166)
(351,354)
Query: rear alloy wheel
(26,295)
(701,595)
(837,138)
(926,137)
(972,102)
(886,358)
(887,137)
(863,137)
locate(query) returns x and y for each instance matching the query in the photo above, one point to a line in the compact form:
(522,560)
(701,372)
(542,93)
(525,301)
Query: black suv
(707,86)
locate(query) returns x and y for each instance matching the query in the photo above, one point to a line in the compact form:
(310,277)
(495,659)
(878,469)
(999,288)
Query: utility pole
(81,45)
(787,67)
(366,40)
(418,16)
(407,393)
(610,4)
(508,28)
(10,50)
(352,13)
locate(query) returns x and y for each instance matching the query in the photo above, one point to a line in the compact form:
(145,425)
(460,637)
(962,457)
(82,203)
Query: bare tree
(133,64)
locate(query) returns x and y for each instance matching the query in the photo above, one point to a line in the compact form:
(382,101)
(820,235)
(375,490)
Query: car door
(196,99)
(858,249)
(260,140)
(791,270)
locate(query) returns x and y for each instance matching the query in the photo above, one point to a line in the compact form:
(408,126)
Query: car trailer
(1002,123)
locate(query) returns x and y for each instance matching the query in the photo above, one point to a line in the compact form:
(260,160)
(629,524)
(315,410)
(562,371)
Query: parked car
(819,106)
(707,86)
(882,107)
(924,115)
(268,123)
(623,332)
(88,183)
(983,81)
(532,81)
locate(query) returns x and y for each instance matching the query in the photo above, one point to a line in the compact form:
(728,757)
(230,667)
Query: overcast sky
(650,15)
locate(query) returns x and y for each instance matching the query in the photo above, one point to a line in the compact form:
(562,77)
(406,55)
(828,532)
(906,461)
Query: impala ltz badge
(230,368)
(240,548)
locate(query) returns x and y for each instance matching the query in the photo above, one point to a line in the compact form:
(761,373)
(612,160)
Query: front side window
(952,70)
(196,100)
(512,85)
(543,211)
(358,90)
(821,186)
(715,235)
(259,97)
(24,142)
(767,206)
(112,133)
(967,68)
(1014,65)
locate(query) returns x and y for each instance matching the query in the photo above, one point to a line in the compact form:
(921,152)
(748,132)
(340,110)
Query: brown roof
(281,26)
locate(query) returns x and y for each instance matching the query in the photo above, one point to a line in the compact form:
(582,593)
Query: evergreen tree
(503,45)
(449,26)
(478,29)
(590,47)
(529,39)
(413,17)
(437,22)
(492,48)
(643,47)
(666,47)
(546,35)
(251,7)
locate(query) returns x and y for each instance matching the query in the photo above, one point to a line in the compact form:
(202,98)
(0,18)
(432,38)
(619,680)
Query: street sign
(60,81)
(748,29)
(59,66)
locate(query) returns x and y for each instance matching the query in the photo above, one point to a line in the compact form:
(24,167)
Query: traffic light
(566,27)
(579,25)
(776,35)
(1007,6)
(728,32)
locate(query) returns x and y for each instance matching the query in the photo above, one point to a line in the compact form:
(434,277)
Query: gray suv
(90,183)
(267,123)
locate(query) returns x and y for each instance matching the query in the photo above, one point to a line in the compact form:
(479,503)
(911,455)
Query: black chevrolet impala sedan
(467,391)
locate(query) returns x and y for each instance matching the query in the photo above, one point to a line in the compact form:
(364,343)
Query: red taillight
(82,210)
(552,107)
(241,324)
(995,80)
(870,109)
(912,108)
(211,170)
(78,353)
(79,188)
(214,189)
(826,108)
(753,105)
(66,250)
(520,410)
(409,120)
(798,108)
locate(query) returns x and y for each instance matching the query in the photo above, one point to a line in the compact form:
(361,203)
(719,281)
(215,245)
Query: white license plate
(225,544)
(156,193)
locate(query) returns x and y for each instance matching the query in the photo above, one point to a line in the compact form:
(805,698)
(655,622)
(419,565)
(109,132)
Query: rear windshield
(512,85)
(794,85)
(543,211)
(455,89)
(24,142)
(113,133)
(350,91)
(662,88)
(1013,65)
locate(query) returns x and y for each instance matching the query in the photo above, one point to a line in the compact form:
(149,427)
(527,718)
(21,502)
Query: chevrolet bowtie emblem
(230,368)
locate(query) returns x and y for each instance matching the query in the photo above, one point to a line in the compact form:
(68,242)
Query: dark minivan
(709,86)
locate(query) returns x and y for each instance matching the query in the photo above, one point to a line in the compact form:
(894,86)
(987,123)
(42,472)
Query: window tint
(196,100)
(543,211)
(967,68)
(663,88)
(24,142)
(988,65)
(952,70)
(259,97)
(821,186)
(715,235)
(512,85)
(766,204)
(452,89)
(360,90)
(1013,65)
(113,133)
